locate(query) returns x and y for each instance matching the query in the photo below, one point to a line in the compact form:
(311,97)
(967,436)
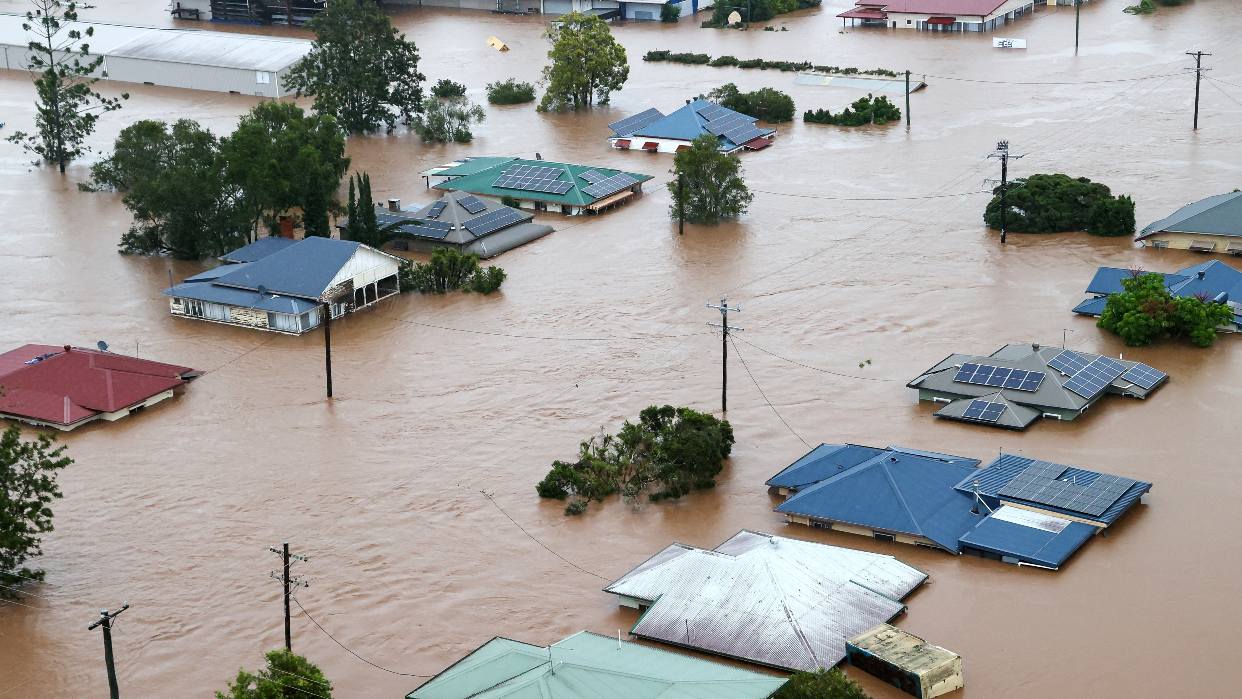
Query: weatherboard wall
(1182,241)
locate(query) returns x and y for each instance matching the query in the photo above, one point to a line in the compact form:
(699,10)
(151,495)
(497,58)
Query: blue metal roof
(214,273)
(686,124)
(897,492)
(1107,280)
(822,462)
(1092,307)
(1006,467)
(304,269)
(1029,544)
(244,298)
(258,249)
(1218,278)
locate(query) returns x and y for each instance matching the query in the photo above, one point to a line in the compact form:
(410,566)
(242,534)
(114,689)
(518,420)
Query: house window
(262,77)
(194,308)
(285,322)
(1160,244)
(907,21)
(883,537)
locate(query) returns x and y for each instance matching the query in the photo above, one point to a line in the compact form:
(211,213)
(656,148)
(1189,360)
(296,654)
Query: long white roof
(767,599)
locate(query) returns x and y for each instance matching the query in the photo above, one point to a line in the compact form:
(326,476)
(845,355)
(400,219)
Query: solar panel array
(472,204)
(436,230)
(493,221)
(738,128)
(436,209)
(999,376)
(593,176)
(633,123)
(1091,380)
(712,111)
(1144,376)
(1069,362)
(984,411)
(610,186)
(533,178)
(1041,483)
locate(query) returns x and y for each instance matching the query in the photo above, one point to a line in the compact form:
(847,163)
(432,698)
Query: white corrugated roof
(768,599)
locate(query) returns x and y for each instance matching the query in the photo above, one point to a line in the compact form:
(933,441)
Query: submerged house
(540,185)
(765,599)
(1208,225)
(1018,384)
(1018,509)
(1210,281)
(590,665)
(67,387)
(655,132)
(282,285)
(939,15)
(459,221)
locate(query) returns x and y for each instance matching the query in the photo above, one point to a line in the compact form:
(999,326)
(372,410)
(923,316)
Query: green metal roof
(590,665)
(470,166)
(475,178)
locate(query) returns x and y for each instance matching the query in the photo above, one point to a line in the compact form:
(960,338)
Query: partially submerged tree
(450,270)
(820,684)
(286,676)
(588,64)
(448,88)
(1145,311)
(709,185)
(864,110)
(27,490)
(65,72)
(1056,203)
(448,120)
(360,69)
(766,103)
(510,92)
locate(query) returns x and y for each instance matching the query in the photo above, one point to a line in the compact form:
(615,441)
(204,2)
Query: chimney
(394,204)
(687,101)
(1202,273)
(67,348)
(286,227)
(1035,346)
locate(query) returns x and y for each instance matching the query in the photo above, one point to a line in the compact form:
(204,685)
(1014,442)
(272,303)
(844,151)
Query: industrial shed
(191,59)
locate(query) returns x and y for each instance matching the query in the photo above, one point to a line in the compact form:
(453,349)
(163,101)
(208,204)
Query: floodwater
(838,263)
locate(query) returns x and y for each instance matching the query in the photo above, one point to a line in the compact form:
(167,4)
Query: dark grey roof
(243,298)
(454,214)
(303,269)
(1218,215)
(1016,417)
(258,249)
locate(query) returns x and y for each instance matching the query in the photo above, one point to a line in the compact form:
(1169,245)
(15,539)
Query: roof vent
(1222,297)
(1035,346)
(687,101)
(68,348)
(394,204)
(1202,273)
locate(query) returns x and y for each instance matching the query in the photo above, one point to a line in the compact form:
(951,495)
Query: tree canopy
(587,63)
(448,120)
(864,110)
(766,103)
(68,106)
(286,676)
(673,450)
(360,69)
(27,489)
(709,183)
(450,270)
(820,684)
(1145,312)
(1057,203)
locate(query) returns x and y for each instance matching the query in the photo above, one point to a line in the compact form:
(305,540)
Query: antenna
(103,346)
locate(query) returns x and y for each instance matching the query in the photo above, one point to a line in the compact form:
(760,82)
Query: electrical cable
(348,649)
(537,541)
(25,592)
(1221,90)
(27,577)
(618,338)
(1045,82)
(2,599)
(814,368)
(827,198)
(765,396)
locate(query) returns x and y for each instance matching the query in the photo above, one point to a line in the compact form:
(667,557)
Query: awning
(682,147)
(621,143)
(941,20)
(860,13)
(1235,249)
(651,146)
(609,201)
(758,143)
(1203,246)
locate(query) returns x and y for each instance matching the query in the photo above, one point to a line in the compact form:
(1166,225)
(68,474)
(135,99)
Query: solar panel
(436,209)
(1144,376)
(743,134)
(493,221)
(1095,377)
(633,123)
(984,411)
(1050,484)
(610,186)
(436,230)
(726,123)
(1000,377)
(472,204)
(593,176)
(533,178)
(1069,362)
(712,111)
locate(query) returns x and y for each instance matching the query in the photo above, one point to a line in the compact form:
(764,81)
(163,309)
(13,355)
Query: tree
(713,186)
(27,489)
(510,92)
(176,185)
(669,14)
(767,104)
(1057,202)
(1145,311)
(587,63)
(865,110)
(448,120)
(287,676)
(447,88)
(820,684)
(360,69)
(67,105)
(284,159)
(1112,217)
(450,270)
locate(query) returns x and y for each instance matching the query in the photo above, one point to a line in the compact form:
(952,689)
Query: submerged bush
(1057,203)
(448,88)
(450,270)
(761,64)
(767,104)
(866,110)
(510,92)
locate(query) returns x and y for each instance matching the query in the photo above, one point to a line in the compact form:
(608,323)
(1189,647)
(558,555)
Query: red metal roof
(863,13)
(941,20)
(758,143)
(651,145)
(622,143)
(977,8)
(64,386)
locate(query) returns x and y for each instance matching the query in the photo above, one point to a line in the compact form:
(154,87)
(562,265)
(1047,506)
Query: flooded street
(853,250)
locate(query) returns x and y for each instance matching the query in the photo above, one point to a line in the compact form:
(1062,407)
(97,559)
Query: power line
(25,592)
(537,541)
(2,599)
(300,689)
(1046,82)
(27,577)
(492,333)
(302,677)
(765,397)
(814,368)
(827,198)
(1221,90)
(349,650)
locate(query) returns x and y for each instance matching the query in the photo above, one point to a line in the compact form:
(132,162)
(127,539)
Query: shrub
(670,13)
(447,119)
(510,92)
(450,270)
(866,110)
(577,507)
(760,63)
(768,104)
(1144,312)
(820,684)
(485,281)
(723,61)
(448,88)
(1112,217)
(1056,203)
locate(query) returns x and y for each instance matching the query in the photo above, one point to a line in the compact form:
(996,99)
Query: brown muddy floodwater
(173,510)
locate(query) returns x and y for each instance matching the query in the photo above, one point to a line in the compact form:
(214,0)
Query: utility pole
(105,620)
(286,580)
(724,348)
(1198,78)
(681,203)
(1002,153)
(327,344)
(1077,22)
(907,100)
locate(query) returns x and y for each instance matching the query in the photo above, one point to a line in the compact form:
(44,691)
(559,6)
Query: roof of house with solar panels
(1018,384)
(652,130)
(576,188)
(1018,509)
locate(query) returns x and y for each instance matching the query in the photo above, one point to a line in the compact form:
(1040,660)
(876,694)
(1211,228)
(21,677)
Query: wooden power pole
(1198,78)
(287,580)
(105,620)
(725,329)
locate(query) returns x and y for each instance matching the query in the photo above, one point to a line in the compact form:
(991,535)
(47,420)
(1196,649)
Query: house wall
(194,77)
(861,531)
(1182,241)
(248,317)
(1008,12)
(367,266)
(941,397)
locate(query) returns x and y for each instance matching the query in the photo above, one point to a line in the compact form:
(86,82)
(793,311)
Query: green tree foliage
(448,120)
(27,489)
(450,270)
(1056,203)
(758,10)
(587,63)
(284,159)
(510,92)
(64,73)
(287,676)
(360,69)
(669,14)
(865,110)
(670,451)
(766,104)
(761,64)
(447,88)
(362,223)
(1146,7)
(820,684)
(1144,312)
(714,189)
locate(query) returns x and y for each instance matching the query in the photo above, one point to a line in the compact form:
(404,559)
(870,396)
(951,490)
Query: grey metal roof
(1216,215)
(455,215)
(243,298)
(1016,416)
(212,48)
(304,269)
(767,599)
